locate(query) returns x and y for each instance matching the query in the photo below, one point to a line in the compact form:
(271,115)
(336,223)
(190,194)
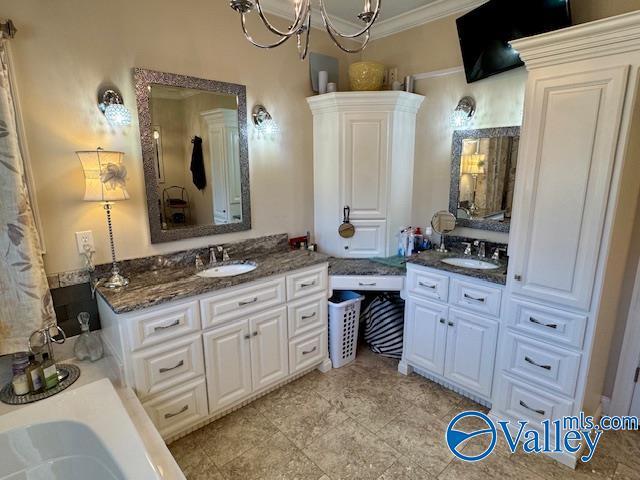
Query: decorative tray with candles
(67,375)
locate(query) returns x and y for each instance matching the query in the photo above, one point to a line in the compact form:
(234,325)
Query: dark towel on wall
(197,164)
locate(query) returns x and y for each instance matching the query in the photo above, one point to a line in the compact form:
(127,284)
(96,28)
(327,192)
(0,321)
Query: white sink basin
(227,270)
(470,263)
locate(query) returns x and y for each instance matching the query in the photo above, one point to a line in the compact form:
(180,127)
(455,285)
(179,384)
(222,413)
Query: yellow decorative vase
(366,76)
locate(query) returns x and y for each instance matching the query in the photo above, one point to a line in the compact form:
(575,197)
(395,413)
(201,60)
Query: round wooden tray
(69,373)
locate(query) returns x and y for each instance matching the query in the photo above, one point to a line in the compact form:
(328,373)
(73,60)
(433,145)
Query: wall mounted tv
(486,31)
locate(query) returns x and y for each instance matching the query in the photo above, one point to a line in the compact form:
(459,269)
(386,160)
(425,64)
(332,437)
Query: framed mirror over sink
(195,153)
(483,170)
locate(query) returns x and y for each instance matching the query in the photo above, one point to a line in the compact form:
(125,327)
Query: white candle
(367,6)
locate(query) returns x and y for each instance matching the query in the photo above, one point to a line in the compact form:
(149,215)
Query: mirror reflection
(485,166)
(197,156)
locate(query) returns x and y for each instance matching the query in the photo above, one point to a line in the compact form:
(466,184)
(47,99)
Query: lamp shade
(105,176)
(472,164)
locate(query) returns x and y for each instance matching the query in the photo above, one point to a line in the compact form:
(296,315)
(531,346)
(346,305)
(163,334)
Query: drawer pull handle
(475,299)
(307,285)
(539,412)
(248,302)
(179,364)
(536,364)
(538,322)
(165,327)
(425,285)
(367,284)
(167,416)
(307,317)
(310,351)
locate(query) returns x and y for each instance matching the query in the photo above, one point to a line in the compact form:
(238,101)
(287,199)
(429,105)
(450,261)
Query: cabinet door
(228,363)
(269,348)
(565,166)
(364,172)
(471,350)
(425,334)
(368,241)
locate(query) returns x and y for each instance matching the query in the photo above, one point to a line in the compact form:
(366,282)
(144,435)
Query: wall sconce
(110,103)
(265,125)
(463,113)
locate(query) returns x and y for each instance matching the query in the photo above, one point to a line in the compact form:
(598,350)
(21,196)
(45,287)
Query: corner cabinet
(577,184)
(364,144)
(192,361)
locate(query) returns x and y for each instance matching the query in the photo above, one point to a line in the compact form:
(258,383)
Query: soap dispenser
(88,345)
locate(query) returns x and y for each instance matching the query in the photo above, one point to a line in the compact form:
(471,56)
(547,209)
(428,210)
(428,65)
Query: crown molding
(610,36)
(421,15)
(283,9)
(365,101)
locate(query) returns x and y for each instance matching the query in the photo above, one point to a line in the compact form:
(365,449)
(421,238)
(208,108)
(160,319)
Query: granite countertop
(432,259)
(366,267)
(154,287)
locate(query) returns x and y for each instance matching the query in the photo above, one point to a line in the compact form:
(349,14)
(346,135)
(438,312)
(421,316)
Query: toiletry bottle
(411,242)
(428,242)
(49,371)
(419,239)
(34,375)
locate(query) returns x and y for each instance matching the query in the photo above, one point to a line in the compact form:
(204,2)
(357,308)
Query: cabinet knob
(518,277)
(443,321)
(451,324)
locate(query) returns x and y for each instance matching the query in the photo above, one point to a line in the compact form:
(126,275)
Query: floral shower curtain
(25,300)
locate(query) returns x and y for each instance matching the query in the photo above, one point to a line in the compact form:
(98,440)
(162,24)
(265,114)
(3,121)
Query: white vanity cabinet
(451,329)
(364,145)
(574,203)
(191,361)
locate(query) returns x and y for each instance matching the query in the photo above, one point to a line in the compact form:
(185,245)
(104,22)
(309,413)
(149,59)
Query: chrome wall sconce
(265,125)
(110,103)
(463,113)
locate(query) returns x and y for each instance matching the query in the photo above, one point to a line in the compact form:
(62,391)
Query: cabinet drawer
(222,307)
(428,284)
(547,323)
(367,283)
(526,402)
(178,409)
(307,350)
(478,298)
(307,282)
(552,367)
(161,367)
(163,324)
(307,314)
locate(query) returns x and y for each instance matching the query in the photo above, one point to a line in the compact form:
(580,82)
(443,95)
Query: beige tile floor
(366,421)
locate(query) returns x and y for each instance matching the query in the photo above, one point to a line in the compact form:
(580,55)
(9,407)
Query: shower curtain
(25,300)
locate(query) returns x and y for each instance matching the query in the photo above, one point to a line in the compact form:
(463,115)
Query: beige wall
(65,50)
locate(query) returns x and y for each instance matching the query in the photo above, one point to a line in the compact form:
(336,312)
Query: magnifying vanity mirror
(443,223)
(483,170)
(194,144)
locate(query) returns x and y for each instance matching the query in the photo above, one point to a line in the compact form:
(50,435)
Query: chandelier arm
(298,23)
(260,45)
(303,55)
(330,27)
(349,50)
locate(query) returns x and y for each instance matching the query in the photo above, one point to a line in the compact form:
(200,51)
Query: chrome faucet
(467,250)
(496,253)
(199,263)
(225,254)
(481,248)
(212,256)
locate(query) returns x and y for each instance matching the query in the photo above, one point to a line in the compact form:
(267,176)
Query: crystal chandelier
(301,26)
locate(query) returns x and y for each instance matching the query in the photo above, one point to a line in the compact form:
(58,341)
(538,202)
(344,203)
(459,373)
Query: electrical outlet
(84,240)
(393,75)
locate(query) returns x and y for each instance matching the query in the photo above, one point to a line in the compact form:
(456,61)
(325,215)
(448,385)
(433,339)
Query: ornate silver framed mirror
(195,154)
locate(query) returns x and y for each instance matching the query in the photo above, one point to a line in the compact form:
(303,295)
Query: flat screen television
(486,31)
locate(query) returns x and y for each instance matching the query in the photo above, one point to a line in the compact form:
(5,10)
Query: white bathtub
(80,434)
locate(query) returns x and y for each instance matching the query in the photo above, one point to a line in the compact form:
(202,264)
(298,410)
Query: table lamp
(473,165)
(105,182)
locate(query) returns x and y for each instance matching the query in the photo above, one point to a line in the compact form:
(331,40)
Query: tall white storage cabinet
(576,190)
(363,145)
